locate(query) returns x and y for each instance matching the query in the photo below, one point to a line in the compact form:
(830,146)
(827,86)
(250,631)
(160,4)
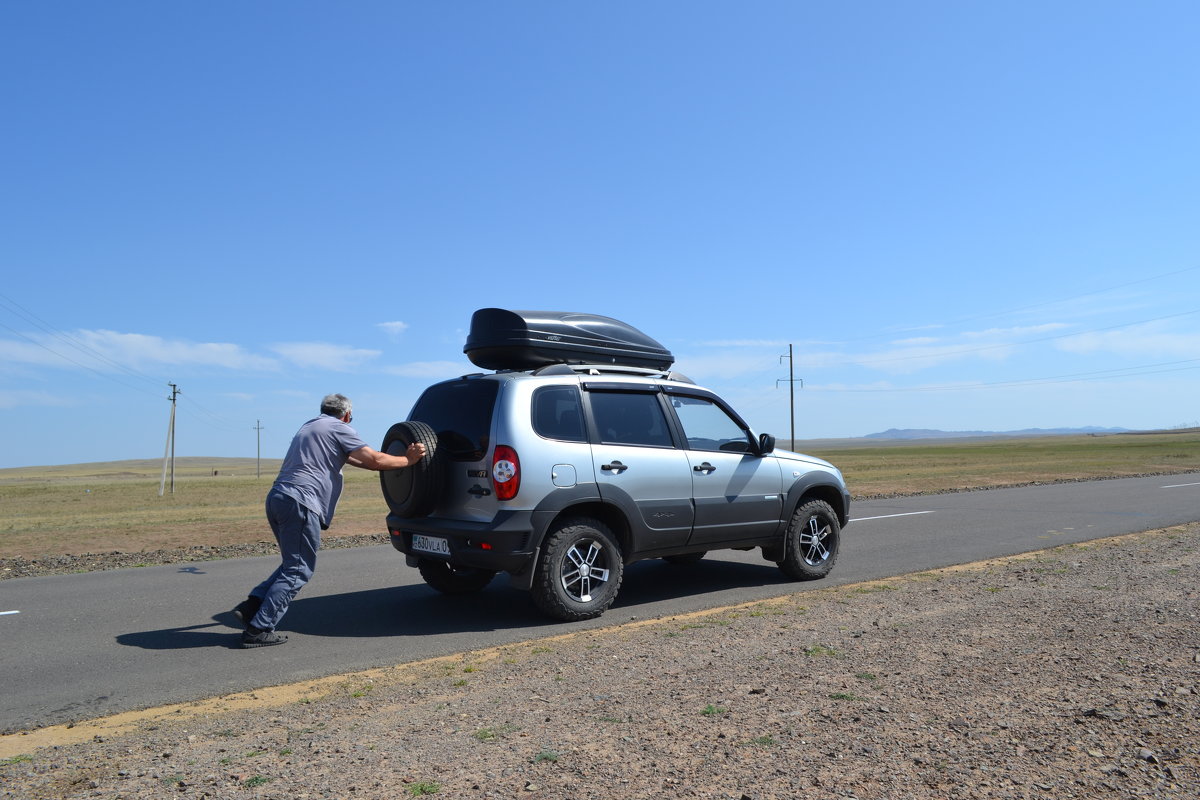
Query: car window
(630,418)
(460,413)
(708,427)
(557,413)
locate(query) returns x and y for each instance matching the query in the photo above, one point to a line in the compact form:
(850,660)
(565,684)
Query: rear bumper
(507,543)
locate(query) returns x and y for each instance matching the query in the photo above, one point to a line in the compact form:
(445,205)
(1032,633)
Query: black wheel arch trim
(819,486)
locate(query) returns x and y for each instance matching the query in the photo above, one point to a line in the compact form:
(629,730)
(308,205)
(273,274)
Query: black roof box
(501,339)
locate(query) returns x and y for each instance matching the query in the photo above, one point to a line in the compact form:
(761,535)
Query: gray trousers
(298,531)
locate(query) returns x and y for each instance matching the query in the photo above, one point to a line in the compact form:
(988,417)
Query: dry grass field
(105,507)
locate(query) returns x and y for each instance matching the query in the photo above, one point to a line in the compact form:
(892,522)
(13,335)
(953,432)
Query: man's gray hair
(336,405)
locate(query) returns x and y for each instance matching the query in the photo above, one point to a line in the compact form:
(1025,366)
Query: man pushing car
(301,504)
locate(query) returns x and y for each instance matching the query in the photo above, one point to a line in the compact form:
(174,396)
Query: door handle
(705,468)
(615,466)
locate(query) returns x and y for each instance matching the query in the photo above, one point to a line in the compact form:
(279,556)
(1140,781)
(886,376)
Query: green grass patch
(492,734)
(763,741)
(711,711)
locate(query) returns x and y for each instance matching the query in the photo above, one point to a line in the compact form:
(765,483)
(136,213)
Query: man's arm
(370,458)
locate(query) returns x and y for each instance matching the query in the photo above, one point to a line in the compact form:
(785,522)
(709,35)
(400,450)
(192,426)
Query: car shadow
(418,611)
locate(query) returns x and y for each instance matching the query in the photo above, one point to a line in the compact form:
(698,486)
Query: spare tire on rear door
(413,491)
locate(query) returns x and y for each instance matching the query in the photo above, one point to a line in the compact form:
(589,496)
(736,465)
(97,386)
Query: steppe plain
(1070,672)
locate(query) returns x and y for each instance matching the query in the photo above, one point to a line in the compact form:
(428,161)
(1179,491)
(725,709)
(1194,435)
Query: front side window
(558,413)
(708,427)
(630,418)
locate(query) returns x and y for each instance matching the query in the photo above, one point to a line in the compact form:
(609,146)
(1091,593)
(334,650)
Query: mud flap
(523,580)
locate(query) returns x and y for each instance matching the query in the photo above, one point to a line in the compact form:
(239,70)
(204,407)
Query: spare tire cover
(415,490)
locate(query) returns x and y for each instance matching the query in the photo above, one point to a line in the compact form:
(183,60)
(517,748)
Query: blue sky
(960,215)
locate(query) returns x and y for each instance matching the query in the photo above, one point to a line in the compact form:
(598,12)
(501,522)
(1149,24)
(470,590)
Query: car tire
(414,491)
(580,571)
(683,559)
(451,580)
(811,542)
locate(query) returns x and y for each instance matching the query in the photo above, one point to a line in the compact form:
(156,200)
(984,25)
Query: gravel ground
(1073,673)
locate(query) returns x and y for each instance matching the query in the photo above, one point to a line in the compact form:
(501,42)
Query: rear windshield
(460,412)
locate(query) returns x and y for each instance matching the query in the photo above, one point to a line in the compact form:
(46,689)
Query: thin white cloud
(746,343)
(906,356)
(22,398)
(1017,332)
(738,358)
(1143,342)
(107,351)
(436,370)
(393,329)
(322,355)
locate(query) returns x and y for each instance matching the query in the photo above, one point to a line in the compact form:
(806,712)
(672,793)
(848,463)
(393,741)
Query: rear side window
(460,412)
(558,413)
(630,418)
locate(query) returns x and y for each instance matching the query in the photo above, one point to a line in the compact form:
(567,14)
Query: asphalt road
(81,646)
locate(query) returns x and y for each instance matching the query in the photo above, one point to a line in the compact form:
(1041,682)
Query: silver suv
(583,453)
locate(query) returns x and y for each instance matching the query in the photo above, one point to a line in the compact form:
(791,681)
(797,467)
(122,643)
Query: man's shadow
(418,610)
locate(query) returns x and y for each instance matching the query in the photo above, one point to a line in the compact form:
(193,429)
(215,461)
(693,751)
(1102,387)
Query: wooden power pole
(791,381)
(258,453)
(170,449)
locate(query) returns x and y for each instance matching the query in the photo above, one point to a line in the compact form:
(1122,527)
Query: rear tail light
(506,472)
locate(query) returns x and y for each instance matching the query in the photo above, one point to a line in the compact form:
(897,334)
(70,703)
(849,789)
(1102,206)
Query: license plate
(431,544)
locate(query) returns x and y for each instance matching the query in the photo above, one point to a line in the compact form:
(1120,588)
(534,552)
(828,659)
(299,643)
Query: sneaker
(253,637)
(246,609)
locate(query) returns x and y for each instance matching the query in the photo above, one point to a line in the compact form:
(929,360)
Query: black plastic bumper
(507,543)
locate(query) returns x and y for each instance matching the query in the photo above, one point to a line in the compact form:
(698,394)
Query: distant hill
(925,433)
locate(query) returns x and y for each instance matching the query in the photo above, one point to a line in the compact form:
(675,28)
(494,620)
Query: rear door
(638,464)
(460,413)
(737,493)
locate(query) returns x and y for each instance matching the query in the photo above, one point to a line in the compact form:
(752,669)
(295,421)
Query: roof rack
(610,369)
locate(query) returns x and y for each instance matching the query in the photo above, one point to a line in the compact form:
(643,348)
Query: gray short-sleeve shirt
(312,470)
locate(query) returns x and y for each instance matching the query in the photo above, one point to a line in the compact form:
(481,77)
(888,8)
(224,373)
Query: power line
(80,364)
(968,350)
(16,308)
(212,419)
(205,417)
(1019,309)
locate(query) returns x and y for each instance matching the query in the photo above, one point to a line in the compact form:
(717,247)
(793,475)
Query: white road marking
(890,516)
(6,613)
(1179,485)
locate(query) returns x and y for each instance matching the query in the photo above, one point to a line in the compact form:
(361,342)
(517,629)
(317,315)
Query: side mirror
(766,444)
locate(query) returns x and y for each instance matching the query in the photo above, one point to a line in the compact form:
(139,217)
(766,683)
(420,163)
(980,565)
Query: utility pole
(258,457)
(791,380)
(170,449)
